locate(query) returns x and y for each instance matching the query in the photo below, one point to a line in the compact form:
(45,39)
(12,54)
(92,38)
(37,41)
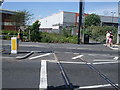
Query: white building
(55,22)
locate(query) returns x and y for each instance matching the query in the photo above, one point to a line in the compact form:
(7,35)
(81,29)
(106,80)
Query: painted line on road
(66,52)
(70,48)
(113,47)
(43,75)
(116,58)
(40,56)
(32,45)
(71,53)
(95,86)
(79,56)
(76,53)
(65,62)
(104,60)
(104,55)
(54,61)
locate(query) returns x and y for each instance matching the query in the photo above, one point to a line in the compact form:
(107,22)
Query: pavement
(86,66)
(115,47)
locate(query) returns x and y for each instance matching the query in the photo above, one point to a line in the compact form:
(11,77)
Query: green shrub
(7,34)
(57,38)
(98,33)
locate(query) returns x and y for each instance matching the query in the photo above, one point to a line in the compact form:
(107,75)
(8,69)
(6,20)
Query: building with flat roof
(109,21)
(55,22)
(6,21)
(59,20)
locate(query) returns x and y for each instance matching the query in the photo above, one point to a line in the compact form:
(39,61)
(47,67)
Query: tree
(35,33)
(92,20)
(21,18)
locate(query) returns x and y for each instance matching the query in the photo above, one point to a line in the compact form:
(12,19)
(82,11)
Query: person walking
(20,35)
(107,38)
(111,39)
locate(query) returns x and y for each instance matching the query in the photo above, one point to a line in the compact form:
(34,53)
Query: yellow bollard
(14,45)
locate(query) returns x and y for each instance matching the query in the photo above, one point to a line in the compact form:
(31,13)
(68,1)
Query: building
(55,22)
(6,21)
(109,21)
(118,35)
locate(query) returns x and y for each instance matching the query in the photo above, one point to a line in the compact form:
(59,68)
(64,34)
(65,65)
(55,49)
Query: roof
(7,11)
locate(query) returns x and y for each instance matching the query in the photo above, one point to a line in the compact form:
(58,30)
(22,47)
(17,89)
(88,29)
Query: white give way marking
(79,56)
(116,58)
(95,86)
(40,56)
(43,75)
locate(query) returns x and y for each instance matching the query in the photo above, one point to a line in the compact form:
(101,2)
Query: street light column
(80,20)
(113,16)
(1,1)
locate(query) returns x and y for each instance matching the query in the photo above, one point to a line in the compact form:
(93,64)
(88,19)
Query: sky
(43,9)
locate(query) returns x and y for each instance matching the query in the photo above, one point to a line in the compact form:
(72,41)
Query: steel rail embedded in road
(64,75)
(69,85)
(67,82)
(101,75)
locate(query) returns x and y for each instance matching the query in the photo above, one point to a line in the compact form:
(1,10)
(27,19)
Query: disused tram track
(66,79)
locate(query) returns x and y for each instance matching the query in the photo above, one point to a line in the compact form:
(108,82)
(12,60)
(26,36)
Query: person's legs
(110,42)
(107,41)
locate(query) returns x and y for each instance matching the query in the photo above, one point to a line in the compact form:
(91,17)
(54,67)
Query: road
(60,67)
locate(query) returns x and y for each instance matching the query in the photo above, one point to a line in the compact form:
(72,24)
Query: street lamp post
(80,20)
(1,1)
(113,16)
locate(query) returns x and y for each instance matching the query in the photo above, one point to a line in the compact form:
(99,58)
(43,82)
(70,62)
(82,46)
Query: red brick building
(7,23)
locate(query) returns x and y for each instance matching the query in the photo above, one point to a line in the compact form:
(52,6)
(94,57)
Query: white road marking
(75,53)
(104,55)
(40,56)
(93,54)
(104,60)
(116,58)
(43,75)
(67,52)
(54,61)
(71,48)
(31,45)
(95,86)
(79,56)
